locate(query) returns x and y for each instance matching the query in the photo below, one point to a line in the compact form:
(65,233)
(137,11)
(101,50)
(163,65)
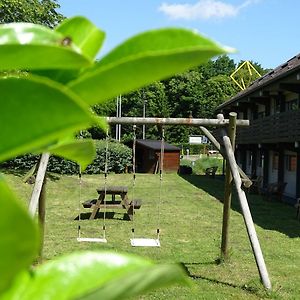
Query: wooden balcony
(279,128)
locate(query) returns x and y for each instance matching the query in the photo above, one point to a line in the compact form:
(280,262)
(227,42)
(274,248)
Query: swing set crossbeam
(174,121)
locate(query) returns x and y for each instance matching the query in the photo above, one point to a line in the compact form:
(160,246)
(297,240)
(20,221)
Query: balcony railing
(278,128)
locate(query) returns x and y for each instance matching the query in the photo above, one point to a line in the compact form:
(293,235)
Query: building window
(291,163)
(275,161)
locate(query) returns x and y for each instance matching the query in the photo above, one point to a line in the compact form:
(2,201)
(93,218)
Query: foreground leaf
(139,282)
(35,112)
(147,57)
(81,151)
(19,241)
(92,275)
(84,34)
(35,47)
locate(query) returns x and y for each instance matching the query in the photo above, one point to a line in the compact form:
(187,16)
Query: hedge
(119,161)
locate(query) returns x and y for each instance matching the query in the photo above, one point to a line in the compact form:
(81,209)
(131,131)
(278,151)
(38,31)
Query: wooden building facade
(148,156)
(270,147)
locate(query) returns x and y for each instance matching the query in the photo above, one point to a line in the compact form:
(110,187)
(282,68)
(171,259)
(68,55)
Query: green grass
(190,222)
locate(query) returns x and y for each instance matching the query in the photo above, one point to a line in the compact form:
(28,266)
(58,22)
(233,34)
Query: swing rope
(133,177)
(161,169)
(105,184)
(79,202)
(99,240)
(145,242)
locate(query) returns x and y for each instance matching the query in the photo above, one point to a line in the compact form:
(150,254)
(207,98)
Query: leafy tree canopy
(42,12)
(196,92)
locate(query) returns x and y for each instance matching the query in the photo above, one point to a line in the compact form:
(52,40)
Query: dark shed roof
(155,145)
(283,70)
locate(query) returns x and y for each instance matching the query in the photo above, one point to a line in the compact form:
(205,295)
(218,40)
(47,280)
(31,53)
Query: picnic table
(114,191)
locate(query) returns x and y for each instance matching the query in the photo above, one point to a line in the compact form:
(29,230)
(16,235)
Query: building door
(290,168)
(273,166)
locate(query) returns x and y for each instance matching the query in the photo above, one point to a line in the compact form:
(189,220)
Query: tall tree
(34,11)
(223,65)
(153,100)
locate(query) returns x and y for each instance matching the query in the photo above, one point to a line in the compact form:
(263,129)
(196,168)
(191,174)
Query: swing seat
(143,242)
(92,240)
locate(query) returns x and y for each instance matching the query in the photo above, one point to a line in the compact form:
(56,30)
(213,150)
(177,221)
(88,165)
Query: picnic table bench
(123,202)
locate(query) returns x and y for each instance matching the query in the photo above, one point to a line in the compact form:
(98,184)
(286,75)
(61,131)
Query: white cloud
(203,9)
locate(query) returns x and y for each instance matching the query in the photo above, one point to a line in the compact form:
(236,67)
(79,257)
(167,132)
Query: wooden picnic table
(113,191)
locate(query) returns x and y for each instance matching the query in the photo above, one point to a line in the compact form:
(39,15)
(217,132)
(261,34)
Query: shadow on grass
(22,173)
(108,215)
(268,215)
(18,173)
(248,289)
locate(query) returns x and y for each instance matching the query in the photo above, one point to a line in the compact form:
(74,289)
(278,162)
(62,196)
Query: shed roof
(155,145)
(283,70)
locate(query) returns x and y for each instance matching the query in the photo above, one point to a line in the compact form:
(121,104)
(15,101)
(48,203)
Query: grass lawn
(190,220)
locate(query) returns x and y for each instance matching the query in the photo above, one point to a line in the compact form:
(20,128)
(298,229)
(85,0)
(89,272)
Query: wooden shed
(148,156)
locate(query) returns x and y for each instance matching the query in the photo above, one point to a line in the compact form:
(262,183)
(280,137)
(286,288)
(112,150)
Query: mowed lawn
(189,215)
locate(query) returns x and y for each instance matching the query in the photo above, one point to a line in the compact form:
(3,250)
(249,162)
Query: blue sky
(265,31)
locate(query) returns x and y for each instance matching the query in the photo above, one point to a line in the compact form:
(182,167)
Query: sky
(264,31)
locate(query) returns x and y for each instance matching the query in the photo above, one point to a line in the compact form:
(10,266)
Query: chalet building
(269,147)
(148,156)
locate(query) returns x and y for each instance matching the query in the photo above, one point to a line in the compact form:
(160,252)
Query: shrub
(119,160)
(206,162)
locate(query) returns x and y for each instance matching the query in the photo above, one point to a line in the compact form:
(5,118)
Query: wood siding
(171,161)
(278,128)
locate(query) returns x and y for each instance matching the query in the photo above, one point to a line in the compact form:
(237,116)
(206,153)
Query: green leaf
(36,112)
(35,47)
(81,151)
(147,57)
(94,274)
(19,242)
(84,34)
(139,282)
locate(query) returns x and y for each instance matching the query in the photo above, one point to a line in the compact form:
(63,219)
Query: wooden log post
(246,180)
(41,216)
(260,262)
(38,183)
(38,197)
(174,121)
(228,191)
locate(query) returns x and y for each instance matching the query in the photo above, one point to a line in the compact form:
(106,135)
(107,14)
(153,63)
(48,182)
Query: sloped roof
(155,145)
(283,70)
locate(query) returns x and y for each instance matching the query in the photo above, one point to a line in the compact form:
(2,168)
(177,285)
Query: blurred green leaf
(96,275)
(19,241)
(147,57)
(81,151)
(34,47)
(84,34)
(35,112)
(139,282)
